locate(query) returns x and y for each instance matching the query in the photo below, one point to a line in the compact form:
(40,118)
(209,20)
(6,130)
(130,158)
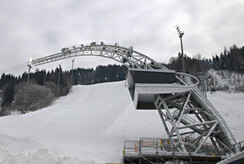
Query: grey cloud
(36,29)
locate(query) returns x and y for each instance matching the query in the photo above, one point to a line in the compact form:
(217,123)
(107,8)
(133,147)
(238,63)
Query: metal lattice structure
(193,123)
(126,56)
(190,120)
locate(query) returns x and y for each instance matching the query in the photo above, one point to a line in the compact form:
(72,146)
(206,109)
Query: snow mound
(90,125)
(16,145)
(39,157)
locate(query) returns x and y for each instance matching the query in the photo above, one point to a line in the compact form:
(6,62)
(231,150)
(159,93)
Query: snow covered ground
(90,125)
(231,107)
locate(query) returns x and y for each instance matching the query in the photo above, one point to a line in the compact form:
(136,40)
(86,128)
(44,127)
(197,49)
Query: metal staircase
(187,120)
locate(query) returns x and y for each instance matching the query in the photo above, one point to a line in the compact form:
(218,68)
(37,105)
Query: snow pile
(39,157)
(90,126)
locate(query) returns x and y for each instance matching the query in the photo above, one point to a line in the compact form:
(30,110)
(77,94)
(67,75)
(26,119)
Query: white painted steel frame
(174,110)
(211,122)
(126,56)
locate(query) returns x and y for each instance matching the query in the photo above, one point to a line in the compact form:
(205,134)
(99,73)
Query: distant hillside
(44,86)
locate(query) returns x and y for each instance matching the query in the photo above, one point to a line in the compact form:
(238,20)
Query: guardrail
(187,79)
(149,146)
(240,145)
(159,146)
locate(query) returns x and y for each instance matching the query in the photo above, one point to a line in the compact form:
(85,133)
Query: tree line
(231,60)
(43,86)
(194,65)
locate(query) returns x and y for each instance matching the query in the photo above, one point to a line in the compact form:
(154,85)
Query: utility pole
(73,60)
(181,33)
(27,84)
(72,73)
(59,78)
(79,78)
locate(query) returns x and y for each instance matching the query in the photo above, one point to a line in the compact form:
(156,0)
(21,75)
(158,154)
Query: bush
(37,97)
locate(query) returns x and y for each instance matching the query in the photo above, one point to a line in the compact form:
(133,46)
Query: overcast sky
(38,28)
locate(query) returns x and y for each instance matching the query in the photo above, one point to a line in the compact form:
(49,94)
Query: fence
(147,146)
(158,146)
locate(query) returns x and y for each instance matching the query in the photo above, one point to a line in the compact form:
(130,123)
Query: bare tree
(37,97)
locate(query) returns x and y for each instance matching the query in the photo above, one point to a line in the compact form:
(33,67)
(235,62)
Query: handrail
(157,146)
(187,79)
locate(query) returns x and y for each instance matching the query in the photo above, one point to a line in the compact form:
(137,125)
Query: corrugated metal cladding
(152,76)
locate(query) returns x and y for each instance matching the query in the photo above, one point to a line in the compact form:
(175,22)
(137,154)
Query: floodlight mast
(181,33)
(30,64)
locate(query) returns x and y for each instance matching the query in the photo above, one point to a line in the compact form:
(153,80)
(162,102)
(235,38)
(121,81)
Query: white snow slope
(90,125)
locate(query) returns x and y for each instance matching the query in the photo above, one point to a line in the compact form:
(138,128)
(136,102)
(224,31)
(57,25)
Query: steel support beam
(205,139)
(182,146)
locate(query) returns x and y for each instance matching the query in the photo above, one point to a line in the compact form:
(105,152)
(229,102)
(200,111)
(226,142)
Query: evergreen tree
(8,94)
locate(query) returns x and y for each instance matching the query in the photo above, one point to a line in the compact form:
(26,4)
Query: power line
(9,69)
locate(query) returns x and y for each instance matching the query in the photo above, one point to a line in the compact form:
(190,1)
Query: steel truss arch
(126,56)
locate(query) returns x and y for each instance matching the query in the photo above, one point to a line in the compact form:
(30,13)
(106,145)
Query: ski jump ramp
(191,122)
